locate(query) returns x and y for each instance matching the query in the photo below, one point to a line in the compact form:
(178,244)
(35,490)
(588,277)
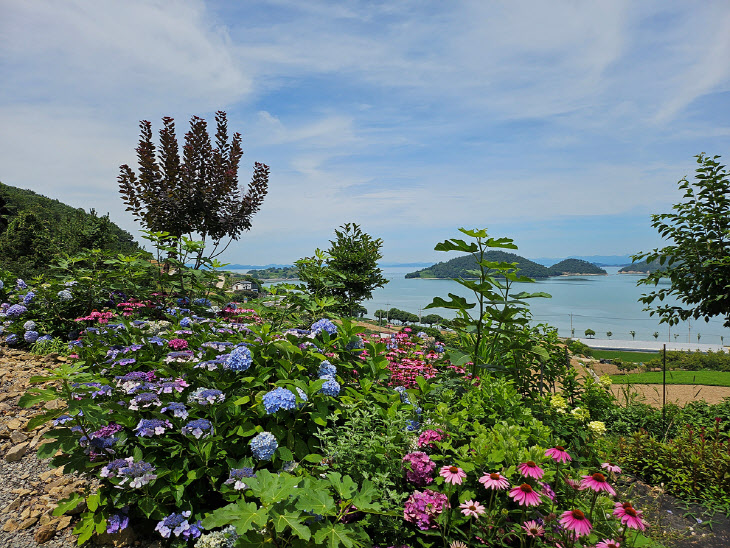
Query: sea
(605,304)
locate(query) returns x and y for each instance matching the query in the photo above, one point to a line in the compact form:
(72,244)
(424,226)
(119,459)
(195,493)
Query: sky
(563,125)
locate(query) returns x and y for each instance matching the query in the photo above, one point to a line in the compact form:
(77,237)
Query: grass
(706,378)
(634,357)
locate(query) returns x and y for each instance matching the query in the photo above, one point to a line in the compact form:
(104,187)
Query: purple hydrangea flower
(152,427)
(29,325)
(199,428)
(117,522)
(15,311)
(236,476)
(178,410)
(144,399)
(20,284)
(177,524)
(206,396)
(28,298)
(419,468)
(30,336)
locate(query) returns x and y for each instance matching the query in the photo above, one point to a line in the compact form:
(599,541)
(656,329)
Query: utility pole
(689,330)
(387,312)
(419,315)
(571,324)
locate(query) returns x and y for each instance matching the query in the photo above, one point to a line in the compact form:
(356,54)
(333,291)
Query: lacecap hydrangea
(263,446)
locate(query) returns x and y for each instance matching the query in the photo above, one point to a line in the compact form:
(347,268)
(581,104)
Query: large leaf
(243,515)
(456,245)
(293,521)
(334,535)
(317,502)
(345,487)
(456,303)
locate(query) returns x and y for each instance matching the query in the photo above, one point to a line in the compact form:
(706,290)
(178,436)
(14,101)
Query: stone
(125,537)
(54,404)
(13,505)
(45,533)
(64,522)
(30,522)
(16,453)
(10,525)
(14,424)
(18,437)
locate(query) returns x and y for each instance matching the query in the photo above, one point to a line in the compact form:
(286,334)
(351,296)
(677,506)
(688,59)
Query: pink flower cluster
(178,344)
(130,307)
(429,437)
(420,471)
(101,317)
(424,507)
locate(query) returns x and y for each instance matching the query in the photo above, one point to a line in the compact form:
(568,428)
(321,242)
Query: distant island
(276,273)
(460,267)
(642,267)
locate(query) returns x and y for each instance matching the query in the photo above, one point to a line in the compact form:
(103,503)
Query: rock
(13,505)
(18,437)
(4,431)
(125,537)
(54,404)
(27,523)
(45,533)
(16,453)
(64,522)
(10,525)
(14,424)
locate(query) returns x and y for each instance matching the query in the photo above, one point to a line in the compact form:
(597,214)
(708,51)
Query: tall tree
(697,258)
(197,194)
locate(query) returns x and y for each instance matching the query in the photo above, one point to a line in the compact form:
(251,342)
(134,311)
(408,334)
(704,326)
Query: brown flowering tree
(197,194)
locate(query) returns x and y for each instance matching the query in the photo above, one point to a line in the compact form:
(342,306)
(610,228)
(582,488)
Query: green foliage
(276,273)
(195,194)
(697,258)
(487,332)
(35,230)
(589,333)
(578,348)
(348,271)
(694,466)
(704,378)
(694,361)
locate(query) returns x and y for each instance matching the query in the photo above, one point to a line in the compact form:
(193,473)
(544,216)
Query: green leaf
(456,303)
(456,244)
(334,535)
(344,486)
(243,515)
(318,502)
(67,504)
(363,499)
(293,521)
(92,501)
(285,454)
(457,357)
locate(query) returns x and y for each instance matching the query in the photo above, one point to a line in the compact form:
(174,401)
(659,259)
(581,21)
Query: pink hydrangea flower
(452,474)
(178,344)
(494,481)
(428,437)
(558,454)
(424,507)
(525,495)
(421,468)
(530,470)
(576,521)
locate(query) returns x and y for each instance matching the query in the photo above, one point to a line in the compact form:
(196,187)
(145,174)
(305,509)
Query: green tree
(348,271)
(589,333)
(656,335)
(633,334)
(195,194)
(698,256)
(431,319)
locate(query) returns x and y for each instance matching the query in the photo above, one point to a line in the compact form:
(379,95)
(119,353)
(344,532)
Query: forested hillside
(35,229)
(460,266)
(273,273)
(643,267)
(575,266)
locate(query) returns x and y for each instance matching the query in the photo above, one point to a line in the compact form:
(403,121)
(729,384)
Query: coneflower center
(494,477)
(599,477)
(453,469)
(531,464)
(630,511)
(577,514)
(526,488)
(560,448)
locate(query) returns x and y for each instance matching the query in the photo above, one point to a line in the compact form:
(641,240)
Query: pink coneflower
(530,470)
(611,467)
(608,543)
(572,483)
(525,495)
(533,529)
(472,508)
(576,521)
(619,509)
(598,483)
(494,481)
(558,454)
(632,519)
(452,474)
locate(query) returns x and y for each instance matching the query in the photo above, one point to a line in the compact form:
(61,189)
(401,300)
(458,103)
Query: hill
(284,273)
(459,266)
(35,229)
(575,266)
(642,267)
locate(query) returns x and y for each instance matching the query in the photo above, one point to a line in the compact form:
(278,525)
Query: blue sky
(563,125)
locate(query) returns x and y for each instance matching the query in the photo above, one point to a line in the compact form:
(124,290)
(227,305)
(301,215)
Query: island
(464,266)
(276,273)
(642,267)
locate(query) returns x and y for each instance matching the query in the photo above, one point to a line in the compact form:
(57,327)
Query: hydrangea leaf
(293,521)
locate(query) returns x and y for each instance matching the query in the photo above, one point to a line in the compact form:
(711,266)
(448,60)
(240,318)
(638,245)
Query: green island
(276,273)
(463,267)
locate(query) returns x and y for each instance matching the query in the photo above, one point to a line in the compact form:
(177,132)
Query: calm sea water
(602,303)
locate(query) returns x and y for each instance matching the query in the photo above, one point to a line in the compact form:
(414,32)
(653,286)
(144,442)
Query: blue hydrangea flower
(186,322)
(421,335)
(29,325)
(263,446)
(236,476)
(20,284)
(326,369)
(199,428)
(64,295)
(44,338)
(202,302)
(302,396)
(30,336)
(15,311)
(330,388)
(403,394)
(239,359)
(63,419)
(2,284)
(323,325)
(11,339)
(140,473)
(356,345)
(117,522)
(157,340)
(177,524)
(279,398)
(412,425)
(178,410)
(28,298)
(439,348)
(152,427)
